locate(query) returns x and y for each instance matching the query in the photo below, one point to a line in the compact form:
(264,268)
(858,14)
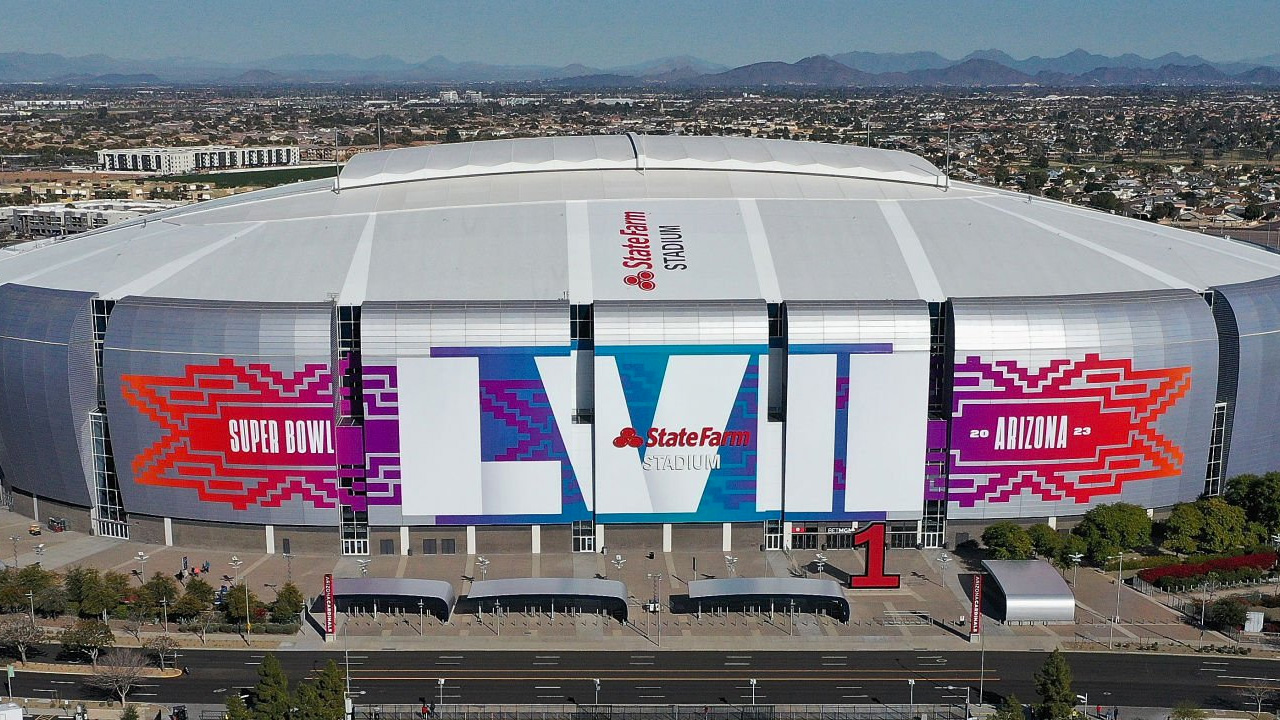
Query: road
(658,677)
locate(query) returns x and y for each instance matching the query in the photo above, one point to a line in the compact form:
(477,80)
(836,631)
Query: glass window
(448,546)
(429,546)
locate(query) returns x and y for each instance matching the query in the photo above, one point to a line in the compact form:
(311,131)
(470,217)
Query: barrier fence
(720,711)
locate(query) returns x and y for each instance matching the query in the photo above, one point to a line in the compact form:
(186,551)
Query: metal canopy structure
(361,593)
(548,593)
(808,594)
(1031,592)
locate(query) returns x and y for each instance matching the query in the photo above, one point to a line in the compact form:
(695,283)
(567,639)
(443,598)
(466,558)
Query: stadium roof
(438,593)
(539,219)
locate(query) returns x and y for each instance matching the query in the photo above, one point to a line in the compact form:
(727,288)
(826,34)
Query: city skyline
(609,34)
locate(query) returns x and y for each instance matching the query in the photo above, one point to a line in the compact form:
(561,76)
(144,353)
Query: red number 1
(873,537)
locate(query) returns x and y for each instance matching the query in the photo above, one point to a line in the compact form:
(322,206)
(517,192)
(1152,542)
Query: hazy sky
(605,33)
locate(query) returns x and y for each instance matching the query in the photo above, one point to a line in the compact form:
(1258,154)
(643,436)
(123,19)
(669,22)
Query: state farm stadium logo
(644,254)
(660,437)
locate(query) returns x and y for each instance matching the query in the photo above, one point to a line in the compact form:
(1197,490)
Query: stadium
(559,344)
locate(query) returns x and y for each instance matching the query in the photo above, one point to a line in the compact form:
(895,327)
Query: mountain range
(851,69)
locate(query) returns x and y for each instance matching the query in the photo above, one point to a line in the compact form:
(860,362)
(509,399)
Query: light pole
(943,560)
(1119,581)
(753,691)
(164,608)
(39,552)
(911,685)
(597,682)
(483,563)
(288,565)
(364,566)
(1075,559)
(731,563)
(657,602)
(142,558)
(440,684)
(235,564)
(14,538)
(31,597)
(421,626)
(618,561)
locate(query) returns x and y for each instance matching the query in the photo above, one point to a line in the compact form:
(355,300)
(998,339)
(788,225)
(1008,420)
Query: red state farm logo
(642,280)
(682,437)
(628,438)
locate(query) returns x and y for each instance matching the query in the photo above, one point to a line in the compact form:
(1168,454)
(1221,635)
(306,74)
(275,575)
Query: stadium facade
(568,343)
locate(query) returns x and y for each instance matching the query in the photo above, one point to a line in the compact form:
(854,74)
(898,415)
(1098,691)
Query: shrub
(1227,569)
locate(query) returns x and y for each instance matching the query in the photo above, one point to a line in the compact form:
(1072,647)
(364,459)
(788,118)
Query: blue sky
(605,33)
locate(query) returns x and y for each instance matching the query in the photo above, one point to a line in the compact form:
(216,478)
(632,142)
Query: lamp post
(943,560)
(164,609)
(657,603)
(753,691)
(482,562)
(364,566)
(911,685)
(1119,581)
(142,559)
(597,682)
(731,563)
(14,538)
(288,564)
(421,626)
(31,597)
(1075,559)
(39,552)
(440,684)
(235,564)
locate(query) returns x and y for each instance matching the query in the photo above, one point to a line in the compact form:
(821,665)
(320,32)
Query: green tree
(129,713)
(272,699)
(1045,539)
(236,709)
(322,697)
(88,637)
(1226,614)
(1259,496)
(1053,685)
(159,587)
(1109,529)
(1036,180)
(452,135)
(1008,541)
(1252,212)
(1072,545)
(1182,529)
(234,603)
(288,604)
(1106,200)
(1224,525)
(1010,709)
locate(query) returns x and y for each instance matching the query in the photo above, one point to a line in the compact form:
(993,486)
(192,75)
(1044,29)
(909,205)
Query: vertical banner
(330,612)
(975,613)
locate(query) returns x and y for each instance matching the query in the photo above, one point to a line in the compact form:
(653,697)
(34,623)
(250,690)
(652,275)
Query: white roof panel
(539,219)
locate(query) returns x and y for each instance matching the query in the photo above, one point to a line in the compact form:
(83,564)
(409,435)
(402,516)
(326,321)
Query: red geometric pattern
(205,417)
(1074,430)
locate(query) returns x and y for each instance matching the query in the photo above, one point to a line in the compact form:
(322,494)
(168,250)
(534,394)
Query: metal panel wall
(223,411)
(47,390)
(1063,403)
(1256,306)
(857,410)
(469,414)
(677,398)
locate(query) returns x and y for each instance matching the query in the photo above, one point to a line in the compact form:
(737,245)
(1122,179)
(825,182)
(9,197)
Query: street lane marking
(684,678)
(835,657)
(1243,677)
(546,687)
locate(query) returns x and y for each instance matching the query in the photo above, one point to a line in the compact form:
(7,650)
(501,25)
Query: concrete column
(35,508)
(535,536)
(1053,521)
(270,531)
(666,537)
(726,542)
(471,539)
(168,532)
(600,537)
(404,539)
